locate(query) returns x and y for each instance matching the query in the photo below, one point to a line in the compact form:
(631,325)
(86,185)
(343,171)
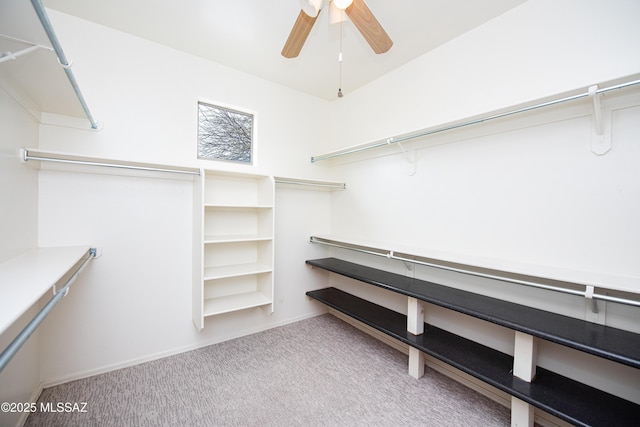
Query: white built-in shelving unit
(233,244)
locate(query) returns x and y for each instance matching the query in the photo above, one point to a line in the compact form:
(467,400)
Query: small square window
(224,134)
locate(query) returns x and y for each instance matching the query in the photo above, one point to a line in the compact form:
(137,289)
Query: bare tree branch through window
(224,134)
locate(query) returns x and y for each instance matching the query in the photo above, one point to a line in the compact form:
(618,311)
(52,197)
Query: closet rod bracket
(588,294)
(93,253)
(410,156)
(601,134)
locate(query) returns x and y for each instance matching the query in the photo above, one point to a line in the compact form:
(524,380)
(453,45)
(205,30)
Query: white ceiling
(249,34)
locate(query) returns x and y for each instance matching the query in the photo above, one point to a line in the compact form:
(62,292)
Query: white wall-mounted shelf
(41,79)
(309,184)
(231,238)
(235,270)
(235,302)
(27,277)
(593,92)
(78,162)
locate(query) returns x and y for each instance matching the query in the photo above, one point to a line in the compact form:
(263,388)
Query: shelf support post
(415,325)
(524,367)
(415,316)
(524,356)
(521,413)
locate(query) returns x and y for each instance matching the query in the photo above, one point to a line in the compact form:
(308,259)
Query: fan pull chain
(340,61)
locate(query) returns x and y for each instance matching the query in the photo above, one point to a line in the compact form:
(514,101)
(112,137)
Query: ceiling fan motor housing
(311,7)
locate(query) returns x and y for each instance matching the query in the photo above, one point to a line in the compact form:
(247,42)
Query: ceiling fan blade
(369,27)
(298,35)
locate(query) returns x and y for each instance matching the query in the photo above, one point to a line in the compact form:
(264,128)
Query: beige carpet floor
(316,372)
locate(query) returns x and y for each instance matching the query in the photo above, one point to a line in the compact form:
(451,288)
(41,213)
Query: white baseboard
(35,395)
(171,352)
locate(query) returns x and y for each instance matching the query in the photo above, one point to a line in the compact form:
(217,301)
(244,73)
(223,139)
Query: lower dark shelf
(567,399)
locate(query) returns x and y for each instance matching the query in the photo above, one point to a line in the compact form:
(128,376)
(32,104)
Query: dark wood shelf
(603,341)
(482,362)
(565,398)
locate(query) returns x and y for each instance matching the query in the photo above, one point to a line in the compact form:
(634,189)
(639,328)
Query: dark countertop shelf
(567,399)
(610,343)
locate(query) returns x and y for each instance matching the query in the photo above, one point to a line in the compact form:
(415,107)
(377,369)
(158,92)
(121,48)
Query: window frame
(234,110)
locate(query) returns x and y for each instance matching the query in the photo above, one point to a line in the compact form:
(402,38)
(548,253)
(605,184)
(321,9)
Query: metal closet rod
(588,293)
(24,335)
(6,56)
(48,28)
(13,55)
(27,156)
(426,132)
(340,186)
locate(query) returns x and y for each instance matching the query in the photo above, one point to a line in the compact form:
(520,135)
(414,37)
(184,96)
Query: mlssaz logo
(80,407)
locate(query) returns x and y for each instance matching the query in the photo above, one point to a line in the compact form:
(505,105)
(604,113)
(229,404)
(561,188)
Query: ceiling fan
(356,10)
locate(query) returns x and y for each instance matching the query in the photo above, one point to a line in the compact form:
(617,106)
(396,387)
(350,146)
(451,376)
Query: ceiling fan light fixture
(342,4)
(311,7)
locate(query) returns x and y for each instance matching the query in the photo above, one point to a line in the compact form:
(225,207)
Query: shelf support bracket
(410,156)
(594,312)
(601,133)
(588,294)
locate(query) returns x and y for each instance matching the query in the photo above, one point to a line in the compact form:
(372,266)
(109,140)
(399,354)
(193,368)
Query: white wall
(528,179)
(18,233)
(134,302)
(523,190)
(535,50)
(18,183)
(146,96)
